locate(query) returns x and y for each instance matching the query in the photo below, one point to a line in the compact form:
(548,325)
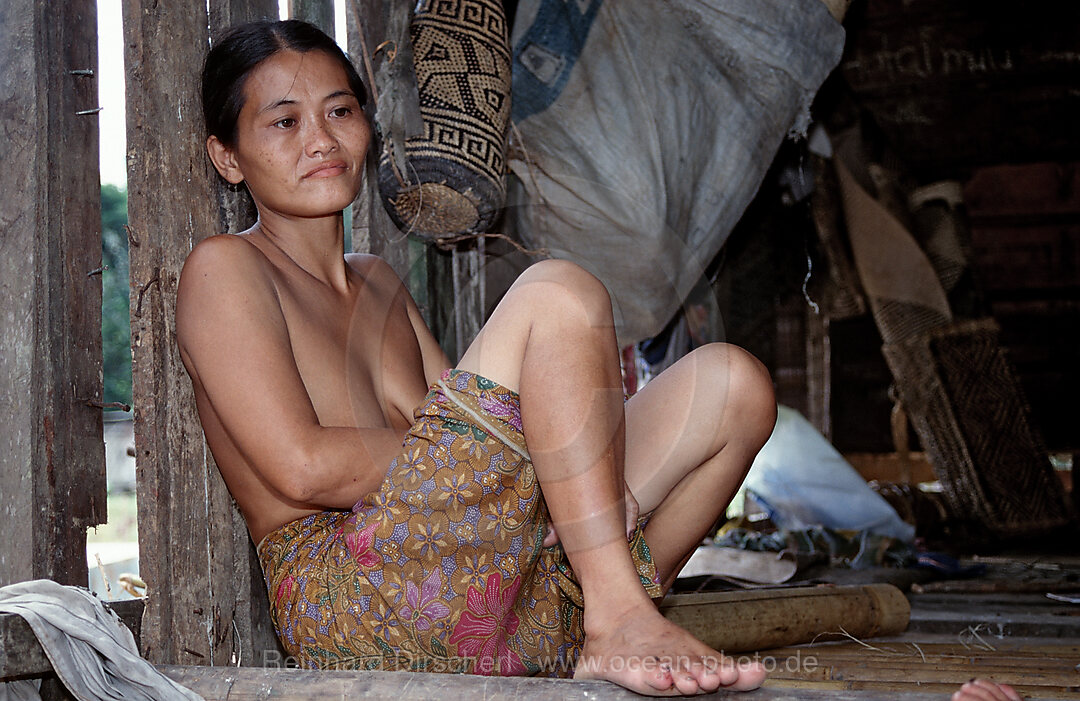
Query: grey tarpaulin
(646,128)
(91,651)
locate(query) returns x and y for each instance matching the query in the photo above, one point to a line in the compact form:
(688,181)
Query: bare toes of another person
(985,690)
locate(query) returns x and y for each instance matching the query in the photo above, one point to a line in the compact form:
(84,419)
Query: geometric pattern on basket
(463,76)
(898,321)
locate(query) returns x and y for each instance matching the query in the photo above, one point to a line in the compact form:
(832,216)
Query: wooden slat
(169,210)
(876,690)
(373,230)
(888,467)
(318,12)
(939,673)
(247,684)
(52,459)
(195,554)
(919,649)
(991,623)
(818,372)
(256,640)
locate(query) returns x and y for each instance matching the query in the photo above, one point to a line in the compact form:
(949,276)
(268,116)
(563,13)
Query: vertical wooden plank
(185,514)
(52,459)
(373,231)
(818,372)
(255,640)
(790,362)
(318,12)
(216,613)
(236,211)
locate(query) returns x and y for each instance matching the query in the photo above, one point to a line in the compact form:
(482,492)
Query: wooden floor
(1002,626)
(1025,640)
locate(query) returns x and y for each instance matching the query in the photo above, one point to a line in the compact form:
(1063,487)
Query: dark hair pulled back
(240,50)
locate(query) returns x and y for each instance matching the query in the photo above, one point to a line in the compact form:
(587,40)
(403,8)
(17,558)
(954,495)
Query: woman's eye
(341,111)
(285,123)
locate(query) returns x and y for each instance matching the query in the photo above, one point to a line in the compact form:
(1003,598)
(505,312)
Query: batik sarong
(442,568)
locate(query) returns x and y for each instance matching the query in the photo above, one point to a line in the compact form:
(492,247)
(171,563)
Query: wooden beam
(888,467)
(310,685)
(52,458)
(318,12)
(206,599)
(372,229)
(246,588)
(236,210)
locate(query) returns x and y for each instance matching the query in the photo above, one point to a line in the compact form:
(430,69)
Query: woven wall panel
(974,422)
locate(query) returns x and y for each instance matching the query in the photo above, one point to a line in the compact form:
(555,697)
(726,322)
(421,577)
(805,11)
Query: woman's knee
(749,396)
(561,285)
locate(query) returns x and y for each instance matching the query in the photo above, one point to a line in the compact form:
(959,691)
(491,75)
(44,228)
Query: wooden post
(818,372)
(373,230)
(206,602)
(318,12)
(52,458)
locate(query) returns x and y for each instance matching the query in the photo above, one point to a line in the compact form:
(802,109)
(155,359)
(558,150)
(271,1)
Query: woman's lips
(327,170)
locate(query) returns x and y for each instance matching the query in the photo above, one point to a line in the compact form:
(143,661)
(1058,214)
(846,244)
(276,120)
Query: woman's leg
(692,433)
(552,339)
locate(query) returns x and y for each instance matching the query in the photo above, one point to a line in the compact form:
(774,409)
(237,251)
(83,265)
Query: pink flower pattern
(360,545)
(486,623)
(284,589)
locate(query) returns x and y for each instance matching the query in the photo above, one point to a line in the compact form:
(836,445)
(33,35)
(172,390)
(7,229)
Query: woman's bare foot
(985,690)
(644,652)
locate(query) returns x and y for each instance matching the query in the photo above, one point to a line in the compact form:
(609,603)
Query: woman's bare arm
(235,344)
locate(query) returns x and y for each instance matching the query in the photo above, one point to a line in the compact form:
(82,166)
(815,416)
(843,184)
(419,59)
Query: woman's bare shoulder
(224,276)
(224,254)
(368,263)
(225,264)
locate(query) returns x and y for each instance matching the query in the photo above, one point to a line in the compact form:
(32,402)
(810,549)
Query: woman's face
(301,137)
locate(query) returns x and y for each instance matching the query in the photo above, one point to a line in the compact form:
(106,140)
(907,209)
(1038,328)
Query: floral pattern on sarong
(442,568)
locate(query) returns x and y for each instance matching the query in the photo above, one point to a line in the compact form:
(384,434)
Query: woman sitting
(510,515)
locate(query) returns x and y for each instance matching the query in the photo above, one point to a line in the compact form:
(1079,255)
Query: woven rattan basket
(454,177)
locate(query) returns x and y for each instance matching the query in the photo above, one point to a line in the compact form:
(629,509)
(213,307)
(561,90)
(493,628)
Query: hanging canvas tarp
(646,128)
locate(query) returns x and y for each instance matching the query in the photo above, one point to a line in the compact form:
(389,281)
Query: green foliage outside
(115,321)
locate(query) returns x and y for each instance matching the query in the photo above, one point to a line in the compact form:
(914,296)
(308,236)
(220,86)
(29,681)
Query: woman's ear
(224,159)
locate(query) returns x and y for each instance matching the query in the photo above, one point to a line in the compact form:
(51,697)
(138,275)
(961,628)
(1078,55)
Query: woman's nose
(319,139)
